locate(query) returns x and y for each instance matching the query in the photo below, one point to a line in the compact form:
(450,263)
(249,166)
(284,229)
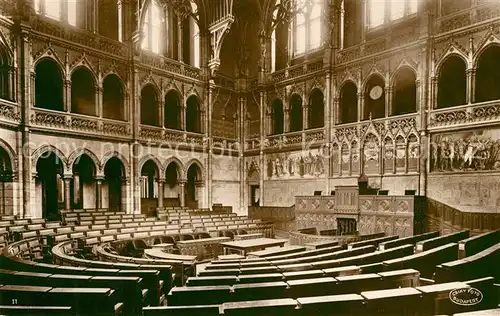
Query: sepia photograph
(250,157)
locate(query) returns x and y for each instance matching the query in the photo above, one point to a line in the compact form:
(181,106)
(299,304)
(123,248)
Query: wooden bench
(403,301)
(128,289)
(206,281)
(311,287)
(482,264)
(321,244)
(278,307)
(442,240)
(426,261)
(276,251)
(260,278)
(407,240)
(199,295)
(23,310)
(196,310)
(337,305)
(84,301)
(473,245)
(373,242)
(259,291)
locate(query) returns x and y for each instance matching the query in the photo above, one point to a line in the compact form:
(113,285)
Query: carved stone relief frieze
(471,150)
(296,165)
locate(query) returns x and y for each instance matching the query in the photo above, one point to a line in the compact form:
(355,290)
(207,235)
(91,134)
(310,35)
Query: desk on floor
(249,245)
(158,253)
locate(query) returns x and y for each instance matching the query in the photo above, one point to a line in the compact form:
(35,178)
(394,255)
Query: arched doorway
(171,189)
(316,113)
(49,85)
(83,94)
(113,98)
(50,186)
(193,176)
(83,188)
(5,183)
(193,115)
(488,75)
(172,110)
(149,188)
(452,83)
(405,92)
(348,103)
(277,117)
(113,176)
(374,106)
(296,113)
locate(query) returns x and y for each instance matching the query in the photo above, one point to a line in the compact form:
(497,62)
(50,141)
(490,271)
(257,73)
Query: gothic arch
(12,155)
(84,63)
(40,151)
(343,84)
(201,170)
(442,61)
(483,48)
(114,154)
(180,170)
(154,160)
(51,54)
(84,151)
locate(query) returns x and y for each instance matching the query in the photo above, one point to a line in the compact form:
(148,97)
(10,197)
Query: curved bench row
(417,300)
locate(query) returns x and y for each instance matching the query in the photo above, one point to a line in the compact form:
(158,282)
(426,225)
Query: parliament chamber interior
(250,157)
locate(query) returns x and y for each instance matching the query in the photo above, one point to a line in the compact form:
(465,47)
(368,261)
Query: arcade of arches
(141,107)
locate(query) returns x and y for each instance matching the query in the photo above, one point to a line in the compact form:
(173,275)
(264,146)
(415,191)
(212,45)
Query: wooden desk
(249,245)
(248,236)
(158,253)
(205,248)
(165,247)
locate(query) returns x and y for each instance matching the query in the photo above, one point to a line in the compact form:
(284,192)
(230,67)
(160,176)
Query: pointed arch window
(395,10)
(153,28)
(307,26)
(58,9)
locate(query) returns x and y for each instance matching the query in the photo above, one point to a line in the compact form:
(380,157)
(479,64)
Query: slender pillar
(360,106)
(470,85)
(180,40)
(98,194)
(67,95)
(99,105)
(161,185)
(305,116)
(67,191)
(388,101)
(182,193)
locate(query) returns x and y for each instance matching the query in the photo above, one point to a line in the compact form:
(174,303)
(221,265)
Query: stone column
(67,191)
(182,193)
(98,195)
(305,118)
(99,101)
(161,185)
(388,101)
(360,106)
(286,120)
(179,39)
(470,94)
(67,95)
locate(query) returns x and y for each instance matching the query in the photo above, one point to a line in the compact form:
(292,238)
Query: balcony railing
(63,31)
(62,121)
(296,71)
(170,65)
(9,111)
(171,137)
(465,114)
(300,138)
